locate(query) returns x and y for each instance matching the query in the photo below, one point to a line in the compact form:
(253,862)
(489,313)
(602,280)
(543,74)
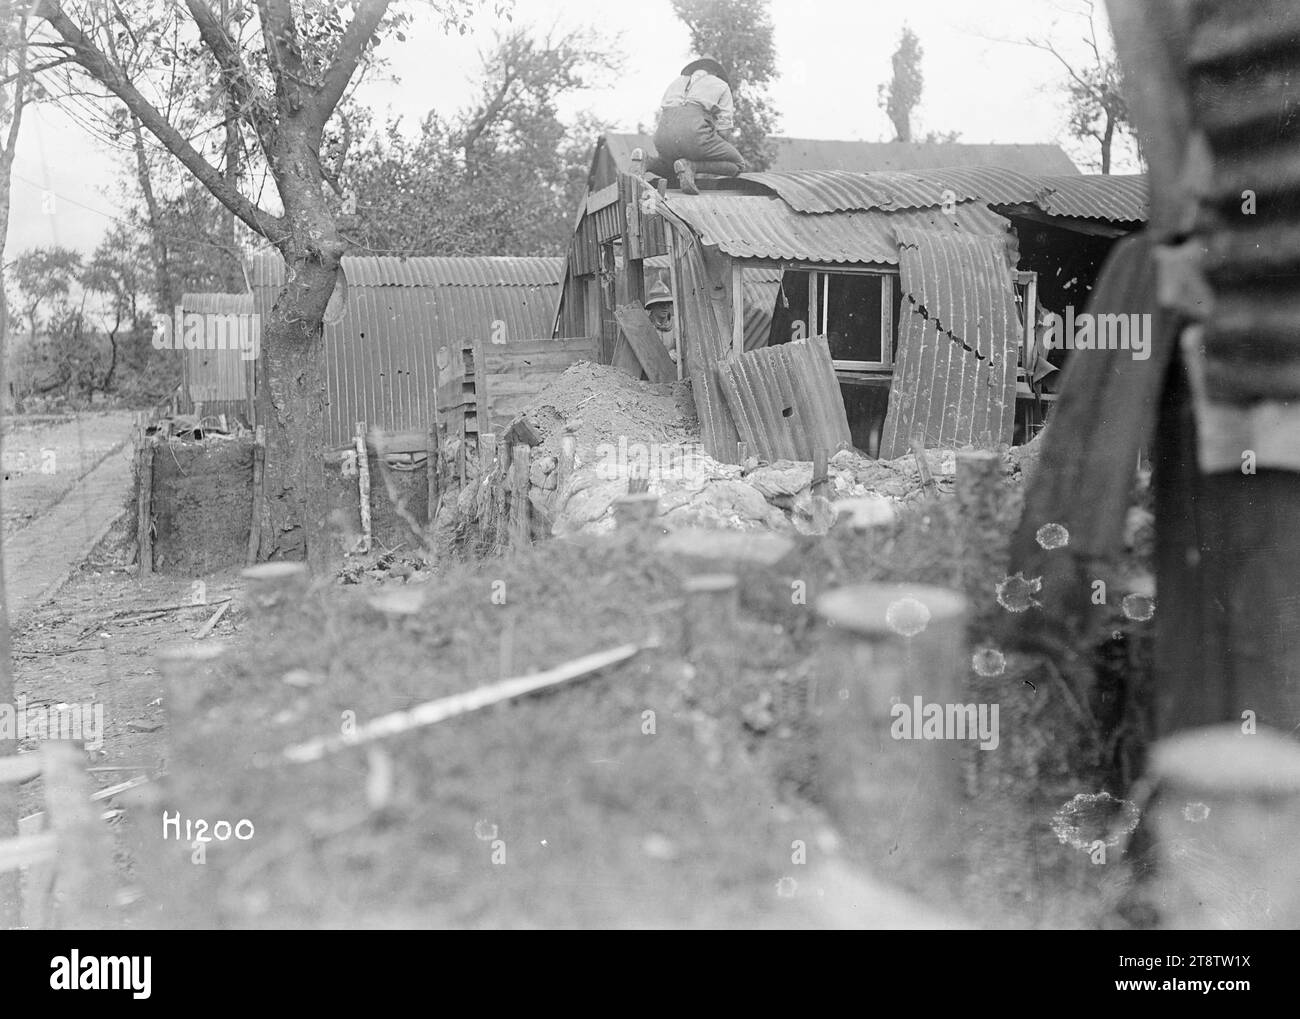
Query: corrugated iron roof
(840,190)
(1112,197)
(826,154)
(749,226)
(425,271)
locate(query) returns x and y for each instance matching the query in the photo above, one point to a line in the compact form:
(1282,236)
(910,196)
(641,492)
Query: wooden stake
(144,507)
(568,450)
(433,477)
(520,526)
(259,470)
(819,475)
(363,483)
(979,501)
(709,626)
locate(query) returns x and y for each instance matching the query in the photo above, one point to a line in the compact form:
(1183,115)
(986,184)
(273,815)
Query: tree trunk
(1107,139)
(293,397)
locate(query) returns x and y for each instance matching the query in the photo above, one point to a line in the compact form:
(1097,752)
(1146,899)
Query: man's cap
(706,63)
(659,294)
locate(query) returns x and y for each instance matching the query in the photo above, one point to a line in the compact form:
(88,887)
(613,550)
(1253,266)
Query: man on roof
(695,112)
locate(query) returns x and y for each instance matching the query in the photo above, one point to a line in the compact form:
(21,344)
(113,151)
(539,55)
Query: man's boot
(686,176)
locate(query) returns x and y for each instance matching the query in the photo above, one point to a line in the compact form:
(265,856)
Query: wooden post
(675,282)
(819,472)
(259,471)
(144,507)
(85,880)
(520,525)
(487,449)
(636,509)
(898,801)
(709,627)
(432,472)
(363,483)
(568,450)
(979,498)
(275,584)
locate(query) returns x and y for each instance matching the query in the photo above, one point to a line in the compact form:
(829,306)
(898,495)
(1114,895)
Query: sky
(832,55)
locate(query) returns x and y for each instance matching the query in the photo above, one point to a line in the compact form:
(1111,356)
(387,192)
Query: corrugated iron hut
(924,288)
(396,328)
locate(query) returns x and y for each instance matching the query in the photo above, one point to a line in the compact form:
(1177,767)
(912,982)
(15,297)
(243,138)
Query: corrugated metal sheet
(426,271)
(785,400)
(823,154)
(1116,198)
(1112,197)
(403,323)
(955,376)
(219,379)
(761,287)
(839,190)
(753,227)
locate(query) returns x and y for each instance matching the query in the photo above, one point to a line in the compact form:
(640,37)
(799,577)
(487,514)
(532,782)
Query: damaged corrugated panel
(785,400)
(1116,198)
(752,227)
(990,184)
(702,311)
(842,191)
(955,376)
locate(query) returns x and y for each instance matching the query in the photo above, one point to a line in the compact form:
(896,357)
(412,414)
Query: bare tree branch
(348,55)
(99,66)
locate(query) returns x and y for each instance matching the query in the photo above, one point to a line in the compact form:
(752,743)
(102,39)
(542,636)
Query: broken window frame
(819,309)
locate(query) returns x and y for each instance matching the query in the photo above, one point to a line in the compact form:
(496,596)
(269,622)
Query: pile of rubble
(626,431)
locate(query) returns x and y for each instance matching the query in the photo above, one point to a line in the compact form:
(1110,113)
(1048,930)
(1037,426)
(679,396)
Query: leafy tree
(285,80)
(902,94)
(501,177)
(739,34)
(1094,86)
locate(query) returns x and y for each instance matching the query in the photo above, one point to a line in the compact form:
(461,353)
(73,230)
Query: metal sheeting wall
(219,379)
(955,377)
(404,323)
(785,400)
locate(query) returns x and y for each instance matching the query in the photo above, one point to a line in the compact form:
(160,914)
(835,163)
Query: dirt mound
(609,403)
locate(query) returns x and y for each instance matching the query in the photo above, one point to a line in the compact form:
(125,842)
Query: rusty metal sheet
(956,369)
(1115,198)
(219,379)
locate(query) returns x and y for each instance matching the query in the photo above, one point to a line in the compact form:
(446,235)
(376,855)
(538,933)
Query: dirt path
(40,556)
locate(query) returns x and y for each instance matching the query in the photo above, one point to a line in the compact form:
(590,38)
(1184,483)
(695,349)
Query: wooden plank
(520,516)
(433,472)
(645,343)
(433,712)
(605,196)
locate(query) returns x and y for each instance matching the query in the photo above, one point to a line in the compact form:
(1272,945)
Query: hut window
(858,314)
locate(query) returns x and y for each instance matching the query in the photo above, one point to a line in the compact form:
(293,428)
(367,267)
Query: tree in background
(502,177)
(902,94)
(285,80)
(1098,112)
(739,34)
